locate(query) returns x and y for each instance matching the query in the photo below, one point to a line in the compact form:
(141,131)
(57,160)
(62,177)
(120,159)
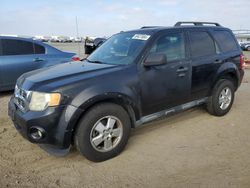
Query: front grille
(23,93)
(21,99)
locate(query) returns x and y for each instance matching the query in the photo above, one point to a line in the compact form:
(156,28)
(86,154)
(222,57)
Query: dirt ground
(189,149)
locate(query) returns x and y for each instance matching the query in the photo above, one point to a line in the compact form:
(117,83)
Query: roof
(16,37)
(178,25)
(154,29)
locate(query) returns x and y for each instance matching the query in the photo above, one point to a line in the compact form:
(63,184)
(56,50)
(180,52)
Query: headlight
(40,101)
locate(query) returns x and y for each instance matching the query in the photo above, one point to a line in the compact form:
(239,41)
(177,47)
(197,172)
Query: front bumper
(57,124)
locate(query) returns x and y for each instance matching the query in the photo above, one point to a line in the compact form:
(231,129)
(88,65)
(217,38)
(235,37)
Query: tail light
(75,58)
(242,61)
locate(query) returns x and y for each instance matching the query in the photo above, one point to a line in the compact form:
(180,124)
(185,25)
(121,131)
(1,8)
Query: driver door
(167,85)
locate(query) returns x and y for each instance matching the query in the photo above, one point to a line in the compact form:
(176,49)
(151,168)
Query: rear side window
(16,47)
(226,41)
(202,44)
(39,49)
(172,45)
(0,48)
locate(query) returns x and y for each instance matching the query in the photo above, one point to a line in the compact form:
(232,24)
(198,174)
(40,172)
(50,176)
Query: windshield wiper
(99,62)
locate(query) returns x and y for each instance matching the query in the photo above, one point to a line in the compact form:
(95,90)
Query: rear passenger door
(204,60)
(41,58)
(17,58)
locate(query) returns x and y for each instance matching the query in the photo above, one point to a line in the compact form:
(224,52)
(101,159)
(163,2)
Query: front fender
(95,94)
(81,104)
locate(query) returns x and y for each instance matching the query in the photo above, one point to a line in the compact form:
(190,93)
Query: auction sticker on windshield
(141,37)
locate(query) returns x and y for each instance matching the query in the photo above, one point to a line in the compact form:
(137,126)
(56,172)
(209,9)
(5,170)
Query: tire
(94,126)
(214,105)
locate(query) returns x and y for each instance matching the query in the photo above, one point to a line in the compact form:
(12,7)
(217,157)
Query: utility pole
(77,35)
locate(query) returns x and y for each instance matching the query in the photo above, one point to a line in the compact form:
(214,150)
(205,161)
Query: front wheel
(103,132)
(222,98)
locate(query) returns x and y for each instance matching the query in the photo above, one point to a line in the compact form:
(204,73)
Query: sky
(107,17)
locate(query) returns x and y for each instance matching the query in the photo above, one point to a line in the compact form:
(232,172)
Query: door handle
(38,59)
(218,61)
(182,69)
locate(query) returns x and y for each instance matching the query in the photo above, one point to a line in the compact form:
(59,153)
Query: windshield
(120,49)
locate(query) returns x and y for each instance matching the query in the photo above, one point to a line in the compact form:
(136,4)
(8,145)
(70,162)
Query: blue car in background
(20,55)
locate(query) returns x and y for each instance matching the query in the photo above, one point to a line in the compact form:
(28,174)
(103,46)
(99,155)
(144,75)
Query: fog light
(36,133)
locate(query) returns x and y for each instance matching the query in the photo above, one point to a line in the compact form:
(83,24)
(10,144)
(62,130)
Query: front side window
(16,47)
(120,49)
(202,44)
(172,45)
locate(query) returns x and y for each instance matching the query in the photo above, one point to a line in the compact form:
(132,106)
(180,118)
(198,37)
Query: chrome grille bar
(21,99)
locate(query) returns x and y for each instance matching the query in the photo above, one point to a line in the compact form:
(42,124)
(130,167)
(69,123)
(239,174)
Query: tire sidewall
(87,123)
(222,84)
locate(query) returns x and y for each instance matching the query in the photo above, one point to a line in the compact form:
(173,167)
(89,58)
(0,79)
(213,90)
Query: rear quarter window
(201,43)
(225,40)
(39,49)
(16,47)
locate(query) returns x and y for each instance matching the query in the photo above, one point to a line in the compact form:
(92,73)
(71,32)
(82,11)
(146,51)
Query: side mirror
(155,59)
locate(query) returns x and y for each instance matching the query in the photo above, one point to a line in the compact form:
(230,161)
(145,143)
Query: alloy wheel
(106,134)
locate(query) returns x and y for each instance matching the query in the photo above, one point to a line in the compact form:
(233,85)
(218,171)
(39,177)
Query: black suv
(91,44)
(133,78)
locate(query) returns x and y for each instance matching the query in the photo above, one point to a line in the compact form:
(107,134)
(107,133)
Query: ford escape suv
(133,78)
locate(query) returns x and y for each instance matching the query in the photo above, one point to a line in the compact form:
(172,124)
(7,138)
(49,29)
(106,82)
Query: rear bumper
(55,123)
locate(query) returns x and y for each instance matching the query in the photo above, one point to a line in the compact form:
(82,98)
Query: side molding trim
(167,112)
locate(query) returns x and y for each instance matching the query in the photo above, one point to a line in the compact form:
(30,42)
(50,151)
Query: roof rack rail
(148,27)
(197,23)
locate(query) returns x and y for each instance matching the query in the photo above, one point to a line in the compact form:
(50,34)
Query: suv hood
(63,74)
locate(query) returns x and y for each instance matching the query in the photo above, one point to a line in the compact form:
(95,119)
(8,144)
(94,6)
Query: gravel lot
(189,149)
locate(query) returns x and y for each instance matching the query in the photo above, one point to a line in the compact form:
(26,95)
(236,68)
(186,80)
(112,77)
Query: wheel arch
(120,99)
(227,71)
(117,98)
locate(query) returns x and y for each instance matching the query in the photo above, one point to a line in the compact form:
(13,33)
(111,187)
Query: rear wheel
(222,98)
(248,48)
(103,132)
